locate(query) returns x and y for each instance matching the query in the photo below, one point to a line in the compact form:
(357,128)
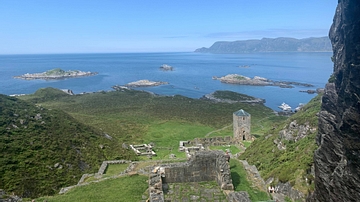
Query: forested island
(55,74)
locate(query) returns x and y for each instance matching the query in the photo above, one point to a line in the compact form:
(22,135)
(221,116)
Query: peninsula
(281,44)
(257,81)
(55,74)
(145,83)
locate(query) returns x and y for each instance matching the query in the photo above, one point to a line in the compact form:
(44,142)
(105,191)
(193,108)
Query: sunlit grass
(240,182)
(115,169)
(126,189)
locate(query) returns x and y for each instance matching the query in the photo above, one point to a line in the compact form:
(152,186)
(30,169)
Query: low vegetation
(81,131)
(241,183)
(230,95)
(292,164)
(43,150)
(136,117)
(127,188)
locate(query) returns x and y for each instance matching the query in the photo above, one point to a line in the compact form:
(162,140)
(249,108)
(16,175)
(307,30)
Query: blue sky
(94,26)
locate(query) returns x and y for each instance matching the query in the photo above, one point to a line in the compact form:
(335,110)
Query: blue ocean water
(192,75)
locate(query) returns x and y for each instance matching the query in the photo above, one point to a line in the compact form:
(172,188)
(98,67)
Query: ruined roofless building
(241,124)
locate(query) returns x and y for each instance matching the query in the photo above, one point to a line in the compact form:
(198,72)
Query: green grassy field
(136,117)
(115,169)
(126,189)
(132,188)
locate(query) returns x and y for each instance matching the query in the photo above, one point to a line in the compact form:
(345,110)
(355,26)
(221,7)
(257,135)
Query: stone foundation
(215,141)
(202,166)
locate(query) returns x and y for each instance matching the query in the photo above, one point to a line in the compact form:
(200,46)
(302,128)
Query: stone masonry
(241,124)
(202,166)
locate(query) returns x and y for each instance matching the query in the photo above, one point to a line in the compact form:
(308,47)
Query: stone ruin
(242,124)
(202,166)
(200,144)
(189,148)
(143,150)
(216,141)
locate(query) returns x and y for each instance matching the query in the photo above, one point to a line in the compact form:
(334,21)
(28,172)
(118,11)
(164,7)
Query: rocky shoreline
(257,81)
(145,83)
(55,74)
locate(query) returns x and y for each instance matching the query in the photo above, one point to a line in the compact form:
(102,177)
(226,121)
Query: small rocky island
(55,74)
(257,81)
(166,67)
(231,97)
(145,83)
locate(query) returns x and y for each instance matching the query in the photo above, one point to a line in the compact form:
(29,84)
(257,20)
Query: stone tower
(241,124)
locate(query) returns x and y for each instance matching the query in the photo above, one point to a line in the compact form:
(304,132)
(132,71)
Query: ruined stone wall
(202,166)
(155,187)
(198,168)
(214,141)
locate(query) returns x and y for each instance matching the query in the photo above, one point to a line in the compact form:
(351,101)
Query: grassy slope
(293,163)
(131,188)
(139,117)
(126,189)
(240,182)
(34,139)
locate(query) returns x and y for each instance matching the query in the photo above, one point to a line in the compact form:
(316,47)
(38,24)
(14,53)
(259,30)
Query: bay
(192,75)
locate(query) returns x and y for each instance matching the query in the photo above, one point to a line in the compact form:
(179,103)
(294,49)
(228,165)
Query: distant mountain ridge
(281,44)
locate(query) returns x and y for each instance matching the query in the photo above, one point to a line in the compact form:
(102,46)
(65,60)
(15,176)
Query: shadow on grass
(235,179)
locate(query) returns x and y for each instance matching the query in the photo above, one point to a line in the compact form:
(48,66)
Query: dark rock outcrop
(337,160)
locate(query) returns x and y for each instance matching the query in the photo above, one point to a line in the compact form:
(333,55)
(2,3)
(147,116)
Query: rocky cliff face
(337,160)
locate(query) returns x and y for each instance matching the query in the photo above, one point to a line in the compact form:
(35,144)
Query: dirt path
(207,135)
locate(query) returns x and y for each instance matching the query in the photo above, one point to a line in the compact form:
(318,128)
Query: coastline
(191,77)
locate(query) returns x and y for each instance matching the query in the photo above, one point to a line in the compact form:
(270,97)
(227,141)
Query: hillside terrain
(136,117)
(44,149)
(112,120)
(285,154)
(282,152)
(282,44)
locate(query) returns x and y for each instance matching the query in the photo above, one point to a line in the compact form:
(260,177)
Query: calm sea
(192,75)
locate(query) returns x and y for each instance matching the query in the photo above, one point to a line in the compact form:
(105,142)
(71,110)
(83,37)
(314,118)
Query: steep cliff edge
(337,160)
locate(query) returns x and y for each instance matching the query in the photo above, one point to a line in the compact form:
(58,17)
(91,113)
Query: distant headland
(55,74)
(281,44)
